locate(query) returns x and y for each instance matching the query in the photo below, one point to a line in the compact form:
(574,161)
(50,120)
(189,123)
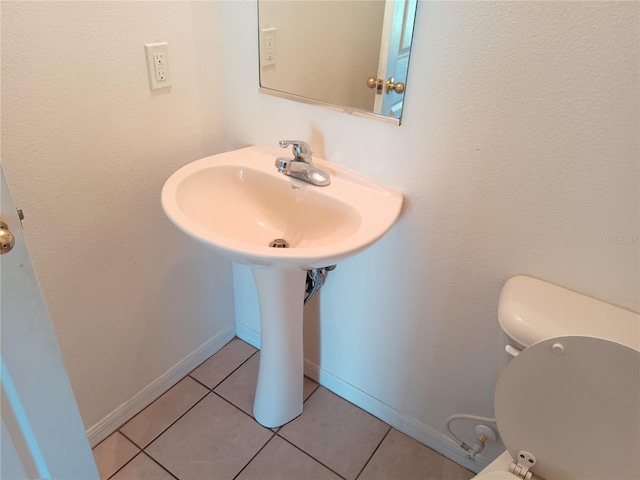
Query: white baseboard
(248,335)
(398,420)
(144,397)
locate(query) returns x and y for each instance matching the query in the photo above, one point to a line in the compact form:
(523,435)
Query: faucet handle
(301,150)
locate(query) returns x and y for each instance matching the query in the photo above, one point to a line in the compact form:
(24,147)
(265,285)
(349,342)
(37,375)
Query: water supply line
(315,279)
(484,433)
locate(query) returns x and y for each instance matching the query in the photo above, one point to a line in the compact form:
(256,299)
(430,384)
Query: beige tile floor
(202,429)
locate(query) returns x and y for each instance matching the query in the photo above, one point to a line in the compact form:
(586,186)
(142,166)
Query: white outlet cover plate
(151,49)
(264,33)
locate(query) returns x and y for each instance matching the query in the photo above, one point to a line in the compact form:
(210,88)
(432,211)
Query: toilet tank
(531,310)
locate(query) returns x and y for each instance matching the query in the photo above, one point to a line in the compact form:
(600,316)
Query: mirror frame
(330,106)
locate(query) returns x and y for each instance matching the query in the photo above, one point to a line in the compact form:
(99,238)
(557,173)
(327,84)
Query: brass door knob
(7,240)
(397,87)
(373,82)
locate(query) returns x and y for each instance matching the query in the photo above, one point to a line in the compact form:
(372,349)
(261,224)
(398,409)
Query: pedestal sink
(237,203)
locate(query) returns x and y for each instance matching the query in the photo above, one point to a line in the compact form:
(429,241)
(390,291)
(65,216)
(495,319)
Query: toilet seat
(564,398)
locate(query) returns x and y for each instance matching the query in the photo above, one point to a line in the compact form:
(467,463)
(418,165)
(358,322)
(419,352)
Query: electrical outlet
(267,46)
(158,59)
(158,65)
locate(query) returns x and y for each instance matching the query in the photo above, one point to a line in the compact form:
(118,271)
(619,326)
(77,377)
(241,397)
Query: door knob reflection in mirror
(397,87)
(7,240)
(373,82)
(391,85)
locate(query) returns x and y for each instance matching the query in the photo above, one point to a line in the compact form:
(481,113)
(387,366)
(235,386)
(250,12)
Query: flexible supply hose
(315,280)
(476,448)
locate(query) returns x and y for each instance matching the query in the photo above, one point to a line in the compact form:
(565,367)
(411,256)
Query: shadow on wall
(198,287)
(312,328)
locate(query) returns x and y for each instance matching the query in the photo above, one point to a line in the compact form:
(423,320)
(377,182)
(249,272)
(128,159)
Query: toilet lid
(573,403)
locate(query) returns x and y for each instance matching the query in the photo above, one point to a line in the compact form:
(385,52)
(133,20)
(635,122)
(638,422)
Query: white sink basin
(237,203)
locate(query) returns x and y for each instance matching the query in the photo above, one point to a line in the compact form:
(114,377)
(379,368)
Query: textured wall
(518,154)
(86,148)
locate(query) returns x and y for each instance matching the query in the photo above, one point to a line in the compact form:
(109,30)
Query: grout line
(172,423)
(127,438)
(140,412)
(231,373)
(374,452)
(234,370)
(198,381)
(159,464)
(314,391)
(126,463)
(238,408)
(257,453)
(309,455)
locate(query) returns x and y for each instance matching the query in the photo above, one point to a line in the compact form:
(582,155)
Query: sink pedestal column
(280,377)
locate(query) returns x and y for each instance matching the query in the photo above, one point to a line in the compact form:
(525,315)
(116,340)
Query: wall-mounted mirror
(349,55)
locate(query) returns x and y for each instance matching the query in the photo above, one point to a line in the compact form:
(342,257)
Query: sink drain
(279,243)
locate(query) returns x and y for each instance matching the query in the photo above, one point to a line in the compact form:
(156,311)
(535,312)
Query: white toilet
(568,404)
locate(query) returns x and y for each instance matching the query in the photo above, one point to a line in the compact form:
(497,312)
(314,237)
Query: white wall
(351,48)
(87,147)
(518,154)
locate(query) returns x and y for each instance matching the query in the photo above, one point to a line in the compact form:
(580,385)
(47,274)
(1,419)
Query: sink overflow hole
(279,243)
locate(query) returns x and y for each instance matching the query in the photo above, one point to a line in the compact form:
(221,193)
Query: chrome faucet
(301,165)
